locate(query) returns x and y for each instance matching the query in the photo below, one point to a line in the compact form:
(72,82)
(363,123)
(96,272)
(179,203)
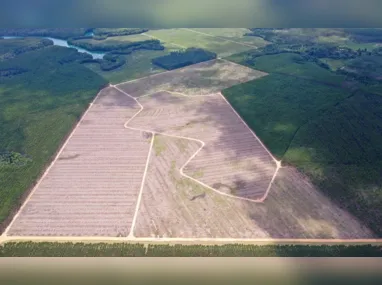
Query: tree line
(103,33)
(178,59)
(60,33)
(115,57)
(51,249)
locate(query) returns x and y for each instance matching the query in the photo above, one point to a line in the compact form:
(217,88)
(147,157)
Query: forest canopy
(178,59)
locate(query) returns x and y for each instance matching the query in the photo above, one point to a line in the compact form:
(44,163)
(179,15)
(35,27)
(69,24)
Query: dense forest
(60,33)
(183,58)
(115,57)
(103,33)
(108,46)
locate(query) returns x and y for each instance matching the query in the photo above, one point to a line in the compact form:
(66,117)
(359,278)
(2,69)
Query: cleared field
(186,38)
(198,79)
(92,187)
(233,34)
(232,160)
(175,206)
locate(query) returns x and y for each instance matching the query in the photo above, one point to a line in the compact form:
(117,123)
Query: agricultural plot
(233,34)
(92,187)
(232,160)
(197,144)
(198,79)
(175,160)
(186,38)
(175,206)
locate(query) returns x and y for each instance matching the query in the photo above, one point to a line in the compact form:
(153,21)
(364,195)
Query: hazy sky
(195,13)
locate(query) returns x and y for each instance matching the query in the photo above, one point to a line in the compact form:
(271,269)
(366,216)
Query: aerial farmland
(221,150)
(166,156)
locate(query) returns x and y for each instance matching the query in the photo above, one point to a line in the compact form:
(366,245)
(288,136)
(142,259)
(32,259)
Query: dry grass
(198,79)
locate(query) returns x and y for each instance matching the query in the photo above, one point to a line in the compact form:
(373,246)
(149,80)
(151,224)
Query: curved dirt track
(292,209)
(202,143)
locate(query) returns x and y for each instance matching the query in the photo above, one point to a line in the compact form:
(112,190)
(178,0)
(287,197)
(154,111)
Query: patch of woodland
(115,58)
(178,59)
(106,32)
(60,33)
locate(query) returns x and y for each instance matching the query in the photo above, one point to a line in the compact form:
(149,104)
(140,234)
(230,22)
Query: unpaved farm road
(261,200)
(186,241)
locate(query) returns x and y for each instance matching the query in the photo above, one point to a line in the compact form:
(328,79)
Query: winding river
(63,43)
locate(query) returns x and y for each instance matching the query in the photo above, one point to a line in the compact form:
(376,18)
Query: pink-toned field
(231,161)
(92,188)
(167,156)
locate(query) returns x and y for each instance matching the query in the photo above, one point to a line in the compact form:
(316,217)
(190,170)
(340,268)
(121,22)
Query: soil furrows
(175,206)
(92,187)
(232,160)
(295,208)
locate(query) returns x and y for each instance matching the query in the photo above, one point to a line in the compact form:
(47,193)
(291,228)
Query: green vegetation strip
(46,249)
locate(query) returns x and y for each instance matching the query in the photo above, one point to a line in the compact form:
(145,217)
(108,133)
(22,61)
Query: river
(63,43)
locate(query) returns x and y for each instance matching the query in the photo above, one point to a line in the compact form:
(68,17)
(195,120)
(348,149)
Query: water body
(63,43)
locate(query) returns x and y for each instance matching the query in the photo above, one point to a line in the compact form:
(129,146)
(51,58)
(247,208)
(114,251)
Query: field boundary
(278,163)
(177,69)
(185,241)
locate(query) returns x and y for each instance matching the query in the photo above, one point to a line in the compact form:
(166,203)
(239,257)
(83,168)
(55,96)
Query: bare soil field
(199,79)
(208,175)
(92,187)
(223,156)
(176,207)
(231,161)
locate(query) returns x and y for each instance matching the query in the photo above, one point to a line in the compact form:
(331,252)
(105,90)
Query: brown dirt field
(198,79)
(232,160)
(175,206)
(92,188)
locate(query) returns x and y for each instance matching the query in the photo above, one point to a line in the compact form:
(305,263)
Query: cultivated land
(231,159)
(198,170)
(185,208)
(92,187)
(175,207)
